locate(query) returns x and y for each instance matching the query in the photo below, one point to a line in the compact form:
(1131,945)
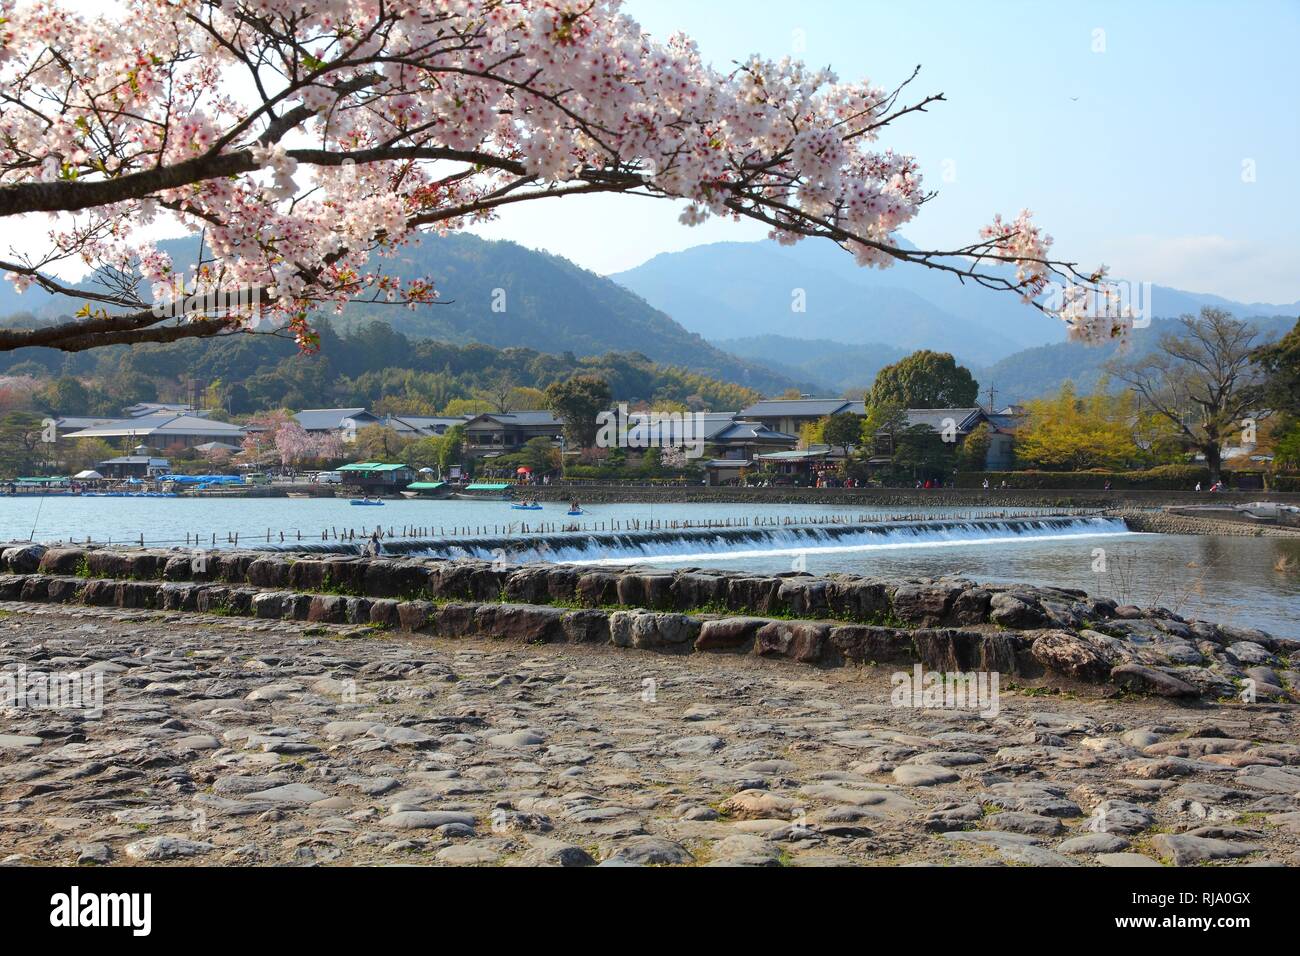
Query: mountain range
(734,290)
(838,368)
(758,314)
(502,294)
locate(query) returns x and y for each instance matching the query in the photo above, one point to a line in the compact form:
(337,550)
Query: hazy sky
(1143,171)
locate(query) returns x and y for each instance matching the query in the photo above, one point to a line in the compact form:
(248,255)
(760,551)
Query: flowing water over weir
(705,544)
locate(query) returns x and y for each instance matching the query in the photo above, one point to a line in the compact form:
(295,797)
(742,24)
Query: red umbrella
(523,470)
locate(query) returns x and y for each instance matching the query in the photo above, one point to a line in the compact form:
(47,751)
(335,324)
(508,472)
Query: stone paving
(258,742)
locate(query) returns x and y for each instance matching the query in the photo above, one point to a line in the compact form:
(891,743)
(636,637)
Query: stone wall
(1167,522)
(900,497)
(948,624)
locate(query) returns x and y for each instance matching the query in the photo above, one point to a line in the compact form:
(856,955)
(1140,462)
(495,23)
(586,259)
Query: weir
(592,546)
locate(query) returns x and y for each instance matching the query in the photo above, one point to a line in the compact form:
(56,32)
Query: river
(1248,581)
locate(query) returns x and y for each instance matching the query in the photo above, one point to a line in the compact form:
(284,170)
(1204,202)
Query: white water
(919,543)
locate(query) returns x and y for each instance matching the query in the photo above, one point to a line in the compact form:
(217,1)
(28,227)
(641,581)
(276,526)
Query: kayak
(365,501)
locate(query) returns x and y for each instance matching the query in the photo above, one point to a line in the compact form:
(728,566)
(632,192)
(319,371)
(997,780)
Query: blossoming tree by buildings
(305,140)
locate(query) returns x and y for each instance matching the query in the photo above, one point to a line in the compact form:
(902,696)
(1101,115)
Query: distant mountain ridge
(843,369)
(735,290)
(1041,370)
(836,368)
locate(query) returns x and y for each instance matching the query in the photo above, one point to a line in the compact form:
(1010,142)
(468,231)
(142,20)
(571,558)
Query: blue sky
(1143,171)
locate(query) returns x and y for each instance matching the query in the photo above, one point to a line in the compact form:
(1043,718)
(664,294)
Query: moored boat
(478,491)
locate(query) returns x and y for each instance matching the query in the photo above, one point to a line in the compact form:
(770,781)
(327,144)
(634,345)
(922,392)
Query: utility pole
(992,394)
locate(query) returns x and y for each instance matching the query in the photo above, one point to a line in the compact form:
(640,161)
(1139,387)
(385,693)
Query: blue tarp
(203,479)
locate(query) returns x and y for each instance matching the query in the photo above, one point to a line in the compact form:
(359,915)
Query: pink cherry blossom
(307,142)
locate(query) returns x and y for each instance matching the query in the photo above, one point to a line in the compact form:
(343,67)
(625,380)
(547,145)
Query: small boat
(366,501)
(576,513)
(525,507)
(427,489)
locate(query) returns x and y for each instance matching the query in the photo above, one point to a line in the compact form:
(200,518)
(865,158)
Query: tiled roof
(753,431)
(163,425)
(522,418)
(936,418)
(803,408)
(329,419)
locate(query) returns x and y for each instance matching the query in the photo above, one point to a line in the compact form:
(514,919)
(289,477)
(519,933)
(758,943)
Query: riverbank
(898,497)
(831,497)
(286,743)
(1166,522)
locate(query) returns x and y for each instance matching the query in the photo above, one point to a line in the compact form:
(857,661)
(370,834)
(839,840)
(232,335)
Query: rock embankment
(1167,522)
(949,624)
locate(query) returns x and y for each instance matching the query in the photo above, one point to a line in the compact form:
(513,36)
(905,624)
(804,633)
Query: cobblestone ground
(254,742)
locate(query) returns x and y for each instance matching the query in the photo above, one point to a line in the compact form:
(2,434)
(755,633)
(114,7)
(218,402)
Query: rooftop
(964,419)
(541,417)
(161,424)
(331,419)
(742,431)
(803,407)
(372,466)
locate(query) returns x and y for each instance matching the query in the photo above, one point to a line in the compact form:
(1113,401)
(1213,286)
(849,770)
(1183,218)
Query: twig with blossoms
(306,140)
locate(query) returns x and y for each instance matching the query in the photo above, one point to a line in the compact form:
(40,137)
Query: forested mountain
(370,365)
(504,295)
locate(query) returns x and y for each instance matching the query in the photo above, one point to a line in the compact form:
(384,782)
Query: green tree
(1286,449)
(67,396)
(453,446)
(920,452)
(423,452)
(379,443)
(86,453)
(882,425)
(843,429)
(23,448)
(924,379)
(578,401)
(539,454)
(974,449)
(1280,363)
(466,406)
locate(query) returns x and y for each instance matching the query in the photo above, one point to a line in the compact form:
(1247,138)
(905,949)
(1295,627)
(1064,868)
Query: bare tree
(500,392)
(1202,380)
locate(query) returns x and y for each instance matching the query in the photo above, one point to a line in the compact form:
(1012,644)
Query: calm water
(1249,581)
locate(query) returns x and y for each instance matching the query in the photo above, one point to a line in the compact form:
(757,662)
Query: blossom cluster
(358,124)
